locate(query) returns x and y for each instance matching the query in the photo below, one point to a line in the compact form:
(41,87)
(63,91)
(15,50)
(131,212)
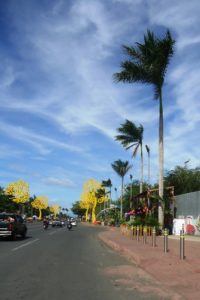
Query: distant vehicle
(56,223)
(29,219)
(73,222)
(63,222)
(69,226)
(12,225)
(45,226)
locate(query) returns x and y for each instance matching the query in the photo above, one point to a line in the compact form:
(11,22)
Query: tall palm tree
(121,168)
(131,136)
(147,64)
(108,184)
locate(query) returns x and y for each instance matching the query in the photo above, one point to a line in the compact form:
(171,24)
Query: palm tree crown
(121,167)
(107,183)
(132,136)
(148,61)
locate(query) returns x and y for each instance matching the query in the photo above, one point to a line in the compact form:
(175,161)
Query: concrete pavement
(181,278)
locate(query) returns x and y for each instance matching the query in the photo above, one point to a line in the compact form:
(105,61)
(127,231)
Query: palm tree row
(147,64)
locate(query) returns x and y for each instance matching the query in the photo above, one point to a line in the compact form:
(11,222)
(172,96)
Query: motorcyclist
(69,224)
(45,222)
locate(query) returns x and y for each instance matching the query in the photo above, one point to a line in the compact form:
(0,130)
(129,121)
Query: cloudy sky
(59,106)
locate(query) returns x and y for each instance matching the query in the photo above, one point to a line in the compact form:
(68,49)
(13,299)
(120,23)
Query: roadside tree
(19,191)
(40,203)
(131,136)
(121,168)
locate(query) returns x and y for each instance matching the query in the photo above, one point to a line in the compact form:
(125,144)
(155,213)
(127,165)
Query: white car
(73,222)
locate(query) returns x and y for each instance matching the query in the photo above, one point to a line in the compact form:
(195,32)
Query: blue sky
(59,106)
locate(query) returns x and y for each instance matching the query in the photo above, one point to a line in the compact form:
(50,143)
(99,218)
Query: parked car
(12,225)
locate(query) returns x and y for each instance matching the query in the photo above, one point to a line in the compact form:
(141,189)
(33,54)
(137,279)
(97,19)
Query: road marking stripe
(52,232)
(24,245)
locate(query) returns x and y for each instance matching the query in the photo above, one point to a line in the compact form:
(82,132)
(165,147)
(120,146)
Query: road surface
(61,264)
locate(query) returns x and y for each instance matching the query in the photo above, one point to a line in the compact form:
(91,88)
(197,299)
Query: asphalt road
(61,264)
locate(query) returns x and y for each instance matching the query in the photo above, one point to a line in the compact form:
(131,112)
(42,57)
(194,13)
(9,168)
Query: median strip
(24,245)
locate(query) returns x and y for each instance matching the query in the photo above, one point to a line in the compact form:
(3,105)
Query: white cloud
(40,142)
(64,182)
(73,51)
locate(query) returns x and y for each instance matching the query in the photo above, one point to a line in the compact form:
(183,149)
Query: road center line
(24,245)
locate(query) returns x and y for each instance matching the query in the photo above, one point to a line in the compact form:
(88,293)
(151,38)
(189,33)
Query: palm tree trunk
(161,160)
(122,195)
(110,195)
(148,168)
(131,191)
(141,181)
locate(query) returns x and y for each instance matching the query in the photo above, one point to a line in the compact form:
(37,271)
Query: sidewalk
(179,276)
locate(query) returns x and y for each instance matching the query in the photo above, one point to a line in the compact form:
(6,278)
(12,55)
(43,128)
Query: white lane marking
(57,230)
(52,232)
(24,245)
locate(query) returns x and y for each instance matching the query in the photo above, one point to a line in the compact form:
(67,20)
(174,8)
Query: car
(12,225)
(56,223)
(73,222)
(63,222)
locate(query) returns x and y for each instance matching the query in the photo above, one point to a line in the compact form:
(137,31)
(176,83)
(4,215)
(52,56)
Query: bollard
(131,232)
(138,233)
(134,232)
(141,230)
(149,231)
(166,240)
(144,235)
(182,245)
(154,237)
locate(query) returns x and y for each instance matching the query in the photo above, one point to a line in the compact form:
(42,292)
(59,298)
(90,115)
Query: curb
(131,256)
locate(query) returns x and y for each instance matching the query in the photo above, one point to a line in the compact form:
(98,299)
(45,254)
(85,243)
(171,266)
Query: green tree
(6,203)
(147,64)
(184,180)
(121,168)
(77,210)
(131,136)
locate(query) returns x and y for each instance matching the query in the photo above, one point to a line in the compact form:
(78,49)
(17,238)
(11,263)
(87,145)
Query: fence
(188,204)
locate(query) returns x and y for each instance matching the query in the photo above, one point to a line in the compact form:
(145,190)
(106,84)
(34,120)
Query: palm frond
(135,150)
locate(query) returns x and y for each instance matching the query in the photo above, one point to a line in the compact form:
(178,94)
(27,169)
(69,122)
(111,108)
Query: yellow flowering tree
(40,202)
(54,209)
(89,197)
(19,190)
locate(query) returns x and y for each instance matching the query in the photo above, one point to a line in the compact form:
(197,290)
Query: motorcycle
(69,226)
(45,225)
